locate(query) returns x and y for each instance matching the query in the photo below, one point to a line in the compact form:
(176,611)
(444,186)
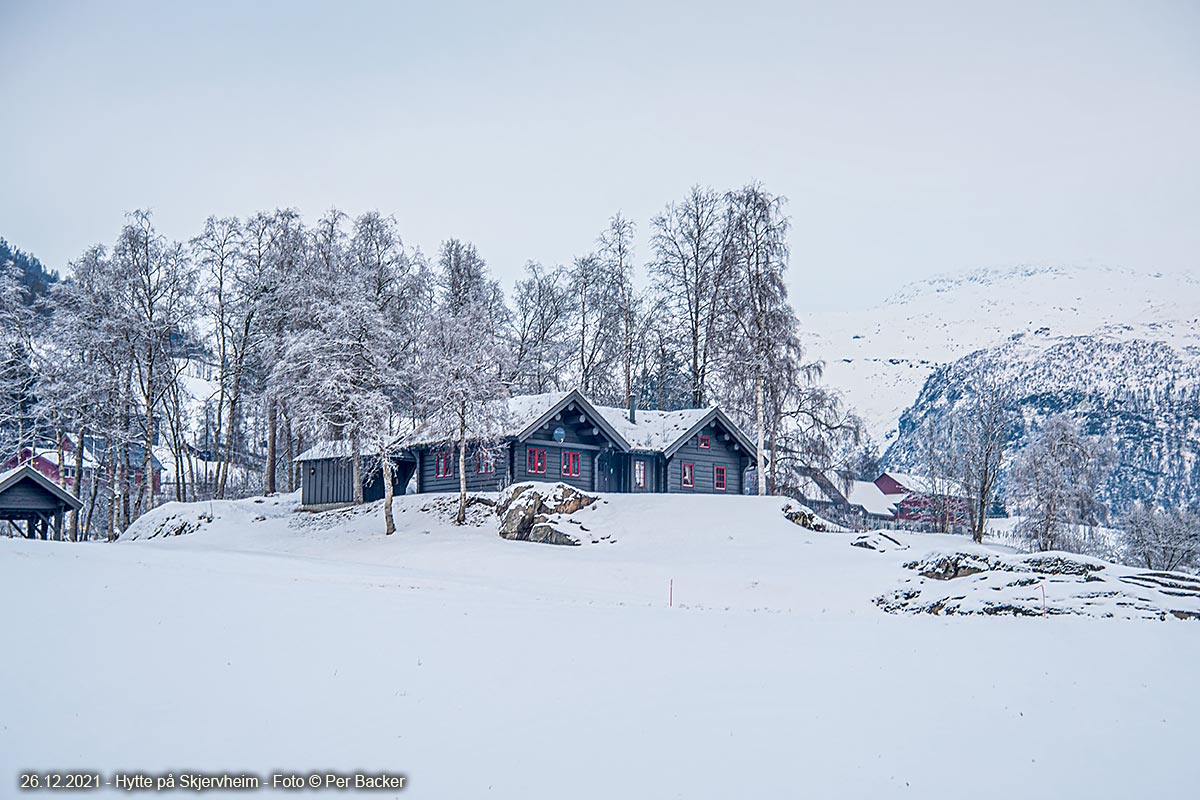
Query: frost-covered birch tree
(1055,482)
(542,344)
(18,373)
(463,360)
(159,282)
(983,424)
(757,304)
(615,249)
(689,240)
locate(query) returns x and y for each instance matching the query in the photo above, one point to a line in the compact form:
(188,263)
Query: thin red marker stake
(1043,599)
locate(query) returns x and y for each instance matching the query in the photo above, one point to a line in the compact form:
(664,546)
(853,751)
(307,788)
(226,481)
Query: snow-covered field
(267,640)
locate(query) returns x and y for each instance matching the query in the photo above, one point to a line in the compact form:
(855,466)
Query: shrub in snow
(1161,539)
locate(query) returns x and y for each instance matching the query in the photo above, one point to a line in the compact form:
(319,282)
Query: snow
(653,431)
(267,639)
(880,357)
(339,449)
(9,473)
(514,414)
(872,499)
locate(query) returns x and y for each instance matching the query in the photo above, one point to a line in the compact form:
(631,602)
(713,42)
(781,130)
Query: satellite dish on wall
(559,434)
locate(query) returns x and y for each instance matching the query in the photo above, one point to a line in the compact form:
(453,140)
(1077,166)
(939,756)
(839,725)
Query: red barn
(917,503)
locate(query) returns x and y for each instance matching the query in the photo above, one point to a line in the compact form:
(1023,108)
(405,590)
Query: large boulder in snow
(526,511)
(804,516)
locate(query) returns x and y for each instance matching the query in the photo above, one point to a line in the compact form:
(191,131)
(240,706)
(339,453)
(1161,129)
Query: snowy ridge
(881,357)
(1145,395)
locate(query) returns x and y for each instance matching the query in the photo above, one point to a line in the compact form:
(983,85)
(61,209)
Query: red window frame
(570,464)
(719,478)
(687,475)
(704,443)
(445,466)
(486,460)
(639,474)
(535,461)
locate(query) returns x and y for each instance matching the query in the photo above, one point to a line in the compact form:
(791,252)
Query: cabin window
(535,461)
(487,462)
(704,443)
(639,474)
(570,464)
(445,466)
(689,475)
(719,478)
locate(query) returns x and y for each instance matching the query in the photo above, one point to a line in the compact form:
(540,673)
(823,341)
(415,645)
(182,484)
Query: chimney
(632,410)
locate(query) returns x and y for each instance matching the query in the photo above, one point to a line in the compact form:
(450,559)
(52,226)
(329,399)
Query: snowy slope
(881,357)
(481,667)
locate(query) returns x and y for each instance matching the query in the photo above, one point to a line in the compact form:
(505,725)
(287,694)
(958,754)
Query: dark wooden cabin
(555,437)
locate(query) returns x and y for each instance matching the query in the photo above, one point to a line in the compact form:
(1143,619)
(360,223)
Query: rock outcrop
(534,512)
(804,517)
(1041,584)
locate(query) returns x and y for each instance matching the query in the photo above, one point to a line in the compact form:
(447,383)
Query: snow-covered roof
(27,472)
(917,484)
(339,449)
(505,418)
(914,483)
(654,431)
(872,499)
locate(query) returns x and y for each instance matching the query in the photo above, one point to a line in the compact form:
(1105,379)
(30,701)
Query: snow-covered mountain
(881,357)
(1118,350)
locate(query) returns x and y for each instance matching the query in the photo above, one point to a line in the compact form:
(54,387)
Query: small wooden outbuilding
(28,496)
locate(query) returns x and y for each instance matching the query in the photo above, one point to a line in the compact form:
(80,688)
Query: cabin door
(607,479)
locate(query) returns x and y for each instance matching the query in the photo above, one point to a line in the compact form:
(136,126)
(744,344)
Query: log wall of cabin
(720,454)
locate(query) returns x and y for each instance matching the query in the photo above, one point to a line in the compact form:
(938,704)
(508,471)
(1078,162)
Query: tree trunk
(230,429)
(356,457)
(461,517)
(758,412)
(774,485)
(93,496)
(148,444)
(269,478)
(62,477)
(77,486)
(289,452)
(125,471)
(389,523)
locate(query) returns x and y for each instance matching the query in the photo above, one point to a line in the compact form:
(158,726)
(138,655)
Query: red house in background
(44,458)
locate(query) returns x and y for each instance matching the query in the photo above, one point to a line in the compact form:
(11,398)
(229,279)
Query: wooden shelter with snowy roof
(32,505)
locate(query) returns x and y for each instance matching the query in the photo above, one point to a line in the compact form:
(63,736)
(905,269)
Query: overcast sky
(911,139)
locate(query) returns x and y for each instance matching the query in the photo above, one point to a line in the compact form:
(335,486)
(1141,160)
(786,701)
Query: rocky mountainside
(1144,395)
(1116,349)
